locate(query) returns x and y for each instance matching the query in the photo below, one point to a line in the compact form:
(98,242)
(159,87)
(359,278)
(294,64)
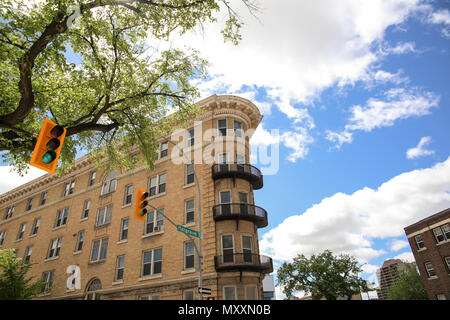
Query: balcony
(243,262)
(241,211)
(242,171)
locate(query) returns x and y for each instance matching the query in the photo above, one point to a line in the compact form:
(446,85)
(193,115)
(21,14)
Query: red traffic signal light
(141,203)
(48,146)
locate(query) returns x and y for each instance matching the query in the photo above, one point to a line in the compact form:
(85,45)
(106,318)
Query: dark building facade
(430,243)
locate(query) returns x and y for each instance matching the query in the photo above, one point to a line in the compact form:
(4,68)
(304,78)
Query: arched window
(109,183)
(94,286)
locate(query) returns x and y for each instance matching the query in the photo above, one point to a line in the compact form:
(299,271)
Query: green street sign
(189,231)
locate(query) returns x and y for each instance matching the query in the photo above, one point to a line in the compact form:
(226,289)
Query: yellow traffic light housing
(141,204)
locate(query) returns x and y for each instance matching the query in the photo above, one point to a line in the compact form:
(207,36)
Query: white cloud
(406,256)
(11,179)
(419,150)
(397,103)
(397,245)
(350,222)
(440,17)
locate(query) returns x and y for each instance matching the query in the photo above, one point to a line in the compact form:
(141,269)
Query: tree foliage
(14,285)
(323,276)
(88,65)
(408,286)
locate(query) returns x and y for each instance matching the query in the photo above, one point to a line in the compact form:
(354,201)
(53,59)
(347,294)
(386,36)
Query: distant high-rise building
(387,275)
(430,243)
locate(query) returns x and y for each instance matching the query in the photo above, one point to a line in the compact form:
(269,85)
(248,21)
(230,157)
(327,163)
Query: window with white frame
(68,188)
(120,267)
(237,128)
(189,211)
(29,204)
(188,295)
(61,217)
(124,229)
(86,208)
(43,198)
(247,248)
(430,269)
(189,255)
(99,250)
(109,183)
(442,233)
(128,194)
(163,149)
(419,242)
(151,262)
(80,241)
(104,216)
(154,221)
(92,178)
(190,176)
(222,127)
(54,248)
(28,252)
(447,262)
(251,293)
(9,212)
(229,293)
(190,139)
(2,236)
(227,248)
(21,231)
(240,161)
(225,200)
(47,280)
(35,228)
(157,185)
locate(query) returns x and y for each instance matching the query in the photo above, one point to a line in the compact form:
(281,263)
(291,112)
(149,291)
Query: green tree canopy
(408,286)
(120,89)
(14,285)
(322,275)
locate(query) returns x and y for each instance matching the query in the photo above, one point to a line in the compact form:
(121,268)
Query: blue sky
(359,94)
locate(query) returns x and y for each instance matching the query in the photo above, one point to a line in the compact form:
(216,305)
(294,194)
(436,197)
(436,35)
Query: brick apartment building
(86,218)
(387,275)
(430,243)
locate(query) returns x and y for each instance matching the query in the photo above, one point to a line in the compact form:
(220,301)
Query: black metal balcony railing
(243,262)
(235,170)
(241,211)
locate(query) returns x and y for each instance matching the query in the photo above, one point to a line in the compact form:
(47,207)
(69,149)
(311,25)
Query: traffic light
(141,203)
(48,146)
(211,298)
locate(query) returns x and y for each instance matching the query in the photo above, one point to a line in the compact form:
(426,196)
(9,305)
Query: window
(251,293)
(55,247)
(157,184)
(47,280)
(247,249)
(152,297)
(28,252)
(61,217)
(237,128)
(2,236)
(240,161)
(99,250)
(442,233)
(9,212)
(124,229)
(21,231)
(68,188)
(151,262)
(222,126)
(190,139)
(80,241)
(441,297)
(225,200)
(227,249)
(243,203)
(35,228)
(189,255)
(447,260)
(43,197)
(92,178)
(188,295)
(430,269)
(120,266)
(128,194)
(109,183)
(86,207)
(419,242)
(190,177)
(163,149)
(223,161)
(229,293)
(104,216)
(154,221)
(29,204)
(94,286)
(189,211)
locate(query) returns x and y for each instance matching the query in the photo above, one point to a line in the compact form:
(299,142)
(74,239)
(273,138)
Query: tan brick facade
(168,278)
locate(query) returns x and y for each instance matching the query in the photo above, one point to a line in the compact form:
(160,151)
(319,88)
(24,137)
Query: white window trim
(256,291)
(234,247)
(185,256)
(235,292)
